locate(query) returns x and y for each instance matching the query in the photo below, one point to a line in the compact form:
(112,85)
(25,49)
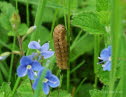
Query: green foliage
(21,30)
(25,89)
(102,5)
(78,50)
(6,12)
(84,90)
(5,90)
(92,16)
(60,93)
(99,93)
(89,22)
(102,75)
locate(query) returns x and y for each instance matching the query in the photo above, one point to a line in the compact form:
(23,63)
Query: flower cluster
(105,56)
(30,65)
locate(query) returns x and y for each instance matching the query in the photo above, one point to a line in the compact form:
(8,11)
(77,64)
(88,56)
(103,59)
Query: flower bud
(4,55)
(15,21)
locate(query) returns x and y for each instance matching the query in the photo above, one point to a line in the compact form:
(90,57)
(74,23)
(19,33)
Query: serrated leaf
(102,5)
(102,75)
(25,89)
(99,93)
(84,44)
(60,93)
(5,90)
(89,22)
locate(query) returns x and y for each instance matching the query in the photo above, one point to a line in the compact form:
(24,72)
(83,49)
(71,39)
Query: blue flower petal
(21,71)
(47,54)
(107,66)
(25,61)
(34,86)
(44,47)
(53,81)
(45,88)
(36,66)
(105,54)
(30,57)
(31,74)
(34,45)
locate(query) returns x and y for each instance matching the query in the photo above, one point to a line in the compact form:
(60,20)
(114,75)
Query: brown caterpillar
(61,47)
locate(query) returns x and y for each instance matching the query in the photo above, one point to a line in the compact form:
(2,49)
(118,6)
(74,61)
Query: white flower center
(45,80)
(110,58)
(29,67)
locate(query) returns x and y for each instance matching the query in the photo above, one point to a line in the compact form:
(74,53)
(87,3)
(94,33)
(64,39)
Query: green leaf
(60,93)
(6,12)
(99,93)
(21,30)
(5,90)
(84,90)
(104,17)
(102,75)
(25,89)
(102,5)
(83,45)
(43,34)
(89,22)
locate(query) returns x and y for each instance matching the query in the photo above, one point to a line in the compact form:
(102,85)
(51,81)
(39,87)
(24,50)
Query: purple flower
(49,80)
(28,67)
(44,49)
(105,56)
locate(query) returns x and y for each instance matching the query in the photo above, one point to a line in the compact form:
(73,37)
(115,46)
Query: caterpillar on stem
(61,46)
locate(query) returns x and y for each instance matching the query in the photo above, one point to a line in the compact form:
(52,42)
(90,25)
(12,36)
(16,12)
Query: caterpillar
(61,46)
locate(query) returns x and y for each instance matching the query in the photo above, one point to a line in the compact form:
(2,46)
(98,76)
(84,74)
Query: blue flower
(105,56)
(50,80)
(44,49)
(28,67)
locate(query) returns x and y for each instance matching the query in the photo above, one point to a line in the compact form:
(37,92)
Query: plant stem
(53,23)
(27,12)
(68,39)
(16,4)
(13,48)
(12,59)
(39,16)
(96,54)
(15,86)
(115,32)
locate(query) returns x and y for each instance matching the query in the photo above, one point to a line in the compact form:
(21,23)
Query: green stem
(3,70)
(39,85)
(39,16)
(16,4)
(27,12)
(115,32)
(12,59)
(53,23)
(15,86)
(68,39)
(96,54)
